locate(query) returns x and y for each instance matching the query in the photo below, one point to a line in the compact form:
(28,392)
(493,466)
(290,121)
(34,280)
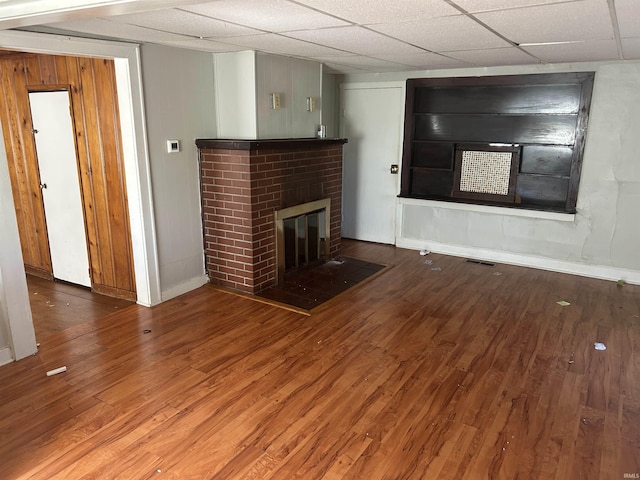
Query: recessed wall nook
(250,189)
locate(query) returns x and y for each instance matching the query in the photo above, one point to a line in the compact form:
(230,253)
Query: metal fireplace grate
(302,235)
(304,239)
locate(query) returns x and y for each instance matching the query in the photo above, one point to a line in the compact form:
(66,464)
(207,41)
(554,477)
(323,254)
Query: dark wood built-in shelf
(543,116)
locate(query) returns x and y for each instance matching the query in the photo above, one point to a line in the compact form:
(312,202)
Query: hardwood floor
(56,306)
(467,372)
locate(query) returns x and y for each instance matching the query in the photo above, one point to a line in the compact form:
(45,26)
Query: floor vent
(480,262)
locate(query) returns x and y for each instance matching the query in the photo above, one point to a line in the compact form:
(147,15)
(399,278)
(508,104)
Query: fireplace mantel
(271,143)
(243,184)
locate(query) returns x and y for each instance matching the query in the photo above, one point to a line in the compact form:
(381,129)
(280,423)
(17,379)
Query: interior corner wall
(330,107)
(600,240)
(235,95)
(180,105)
(294,80)
(243,84)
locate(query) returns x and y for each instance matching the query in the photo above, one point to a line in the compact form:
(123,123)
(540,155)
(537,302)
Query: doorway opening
(129,104)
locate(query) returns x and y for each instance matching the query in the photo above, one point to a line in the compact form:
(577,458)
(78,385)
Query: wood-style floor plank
(57,306)
(438,368)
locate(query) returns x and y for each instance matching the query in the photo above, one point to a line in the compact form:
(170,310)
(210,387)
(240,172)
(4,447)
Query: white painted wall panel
(306,79)
(273,75)
(235,95)
(294,80)
(329,104)
(180,105)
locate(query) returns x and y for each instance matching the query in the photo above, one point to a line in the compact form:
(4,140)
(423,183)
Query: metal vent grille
(485,172)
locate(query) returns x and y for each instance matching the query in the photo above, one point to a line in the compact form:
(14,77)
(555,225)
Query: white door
(55,149)
(372,122)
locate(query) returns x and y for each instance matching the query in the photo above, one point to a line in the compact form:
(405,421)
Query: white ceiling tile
(443,34)
(274,43)
(425,61)
(268,15)
(339,68)
(474,6)
(628,12)
(399,34)
(333,58)
(495,57)
(365,62)
(355,40)
(204,45)
(107,28)
(185,23)
(583,20)
(589,51)
(631,48)
(368,63)
(382,11)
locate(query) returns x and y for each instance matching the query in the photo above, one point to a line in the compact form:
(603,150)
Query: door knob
(43,186)
(394,169)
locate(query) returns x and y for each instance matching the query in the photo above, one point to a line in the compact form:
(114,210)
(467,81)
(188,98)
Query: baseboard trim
(562,266)
(6,356)
(184,287)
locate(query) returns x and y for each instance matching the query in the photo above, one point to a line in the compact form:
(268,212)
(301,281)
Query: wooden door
(59,182)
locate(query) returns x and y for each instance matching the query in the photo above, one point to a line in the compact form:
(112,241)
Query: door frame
(126,58)
(402,85)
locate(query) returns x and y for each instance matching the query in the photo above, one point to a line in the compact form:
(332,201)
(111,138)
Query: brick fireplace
(243,184)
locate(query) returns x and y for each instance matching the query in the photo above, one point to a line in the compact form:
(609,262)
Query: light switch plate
(173,146)
(275,101)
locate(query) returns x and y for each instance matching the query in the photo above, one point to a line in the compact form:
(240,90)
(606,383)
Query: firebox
(302,235)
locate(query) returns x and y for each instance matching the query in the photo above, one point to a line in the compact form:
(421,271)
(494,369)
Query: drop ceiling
(357,36)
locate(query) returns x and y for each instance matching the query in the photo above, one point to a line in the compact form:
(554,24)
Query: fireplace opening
(302,236)
(304,239)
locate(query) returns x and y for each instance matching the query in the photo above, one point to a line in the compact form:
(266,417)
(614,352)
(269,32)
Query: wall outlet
(173,146)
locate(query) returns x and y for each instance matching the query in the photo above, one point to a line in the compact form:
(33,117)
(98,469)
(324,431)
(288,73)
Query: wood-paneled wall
(91,82)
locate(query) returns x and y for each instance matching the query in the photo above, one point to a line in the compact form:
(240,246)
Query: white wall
(330,103)
(17,337)
(601,240)
(180,105)
(243,84)
(235,95)
(294,80)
